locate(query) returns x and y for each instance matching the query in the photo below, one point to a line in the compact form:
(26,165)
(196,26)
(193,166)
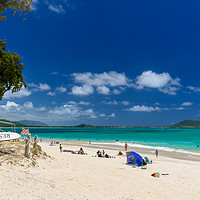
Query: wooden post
(27,147)
(35,141)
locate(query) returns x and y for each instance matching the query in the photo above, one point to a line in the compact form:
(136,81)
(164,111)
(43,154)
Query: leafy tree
(11,77)
(15,5)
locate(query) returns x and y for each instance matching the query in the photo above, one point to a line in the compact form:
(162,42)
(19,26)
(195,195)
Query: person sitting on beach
(120,153)
(81,151)
(99,154)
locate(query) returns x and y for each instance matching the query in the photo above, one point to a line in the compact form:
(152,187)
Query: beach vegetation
(13,153)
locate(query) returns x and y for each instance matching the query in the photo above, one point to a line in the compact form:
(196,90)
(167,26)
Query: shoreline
(147,151)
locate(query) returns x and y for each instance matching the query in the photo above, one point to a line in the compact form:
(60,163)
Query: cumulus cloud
(84,103)
(39,87)
(126,103)
(82,90)
(51,93)
(72,111)
(61,89)
(110,102)
(187,103)
(143,108)
(43,87)
(163,82)
(56,8)
(24,92)
(28,105)
(112,79)
(64,113)
(9,105)
(194,89)
(111,115)
(101,81)
(34,4)
(103,90)
(102,115)
(116,91)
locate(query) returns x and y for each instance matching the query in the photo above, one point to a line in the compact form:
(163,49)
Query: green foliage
(17,124)
(16,5)
(188,124)
(84,125)
(11,77)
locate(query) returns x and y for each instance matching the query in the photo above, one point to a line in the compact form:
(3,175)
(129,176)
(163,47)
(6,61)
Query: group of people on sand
(99,153)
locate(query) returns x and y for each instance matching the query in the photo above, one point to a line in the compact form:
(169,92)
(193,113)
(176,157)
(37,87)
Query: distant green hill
(32,123)
(187,124)
(84,125)
(17,124)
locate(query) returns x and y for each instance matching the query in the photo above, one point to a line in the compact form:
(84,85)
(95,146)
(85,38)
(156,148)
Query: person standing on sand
(126,146)
(156,152)
(60,148)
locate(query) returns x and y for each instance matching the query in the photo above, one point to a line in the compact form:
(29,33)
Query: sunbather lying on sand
(81,152)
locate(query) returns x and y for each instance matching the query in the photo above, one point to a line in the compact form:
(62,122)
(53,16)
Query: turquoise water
(165,139)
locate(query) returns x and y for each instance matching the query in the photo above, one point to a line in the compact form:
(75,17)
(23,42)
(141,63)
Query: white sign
(8,136)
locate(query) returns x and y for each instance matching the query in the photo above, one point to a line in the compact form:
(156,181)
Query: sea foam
(135,145)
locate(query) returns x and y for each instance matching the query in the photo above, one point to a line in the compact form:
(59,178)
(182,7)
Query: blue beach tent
(134,158)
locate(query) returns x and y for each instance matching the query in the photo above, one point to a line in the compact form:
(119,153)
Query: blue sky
(106,62)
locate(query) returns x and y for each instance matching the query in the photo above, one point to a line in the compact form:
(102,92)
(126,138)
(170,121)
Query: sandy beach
(71,176)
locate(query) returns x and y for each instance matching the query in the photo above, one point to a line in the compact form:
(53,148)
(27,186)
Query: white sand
(70,176)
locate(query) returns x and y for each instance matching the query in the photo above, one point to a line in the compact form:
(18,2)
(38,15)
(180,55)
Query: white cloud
(84,103)
(28,105)
(143,108)
(194,89)
(39,87)
(24,92)
(34,4)
(56,8)
(43,87)
(102,115)
(112,115)
(179,108)
(82,90)
(61,89)
(54,73)
(56,115)
(72,111)
(116,91)
(186,103)
(163,82)
(51,93)
(10,104)
(126,103)
(111,78)
(102,81)
(110,102)
(103,90)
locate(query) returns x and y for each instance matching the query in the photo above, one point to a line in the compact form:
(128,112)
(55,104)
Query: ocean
(177,140)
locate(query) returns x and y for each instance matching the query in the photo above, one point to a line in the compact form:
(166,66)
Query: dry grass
(13,153)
